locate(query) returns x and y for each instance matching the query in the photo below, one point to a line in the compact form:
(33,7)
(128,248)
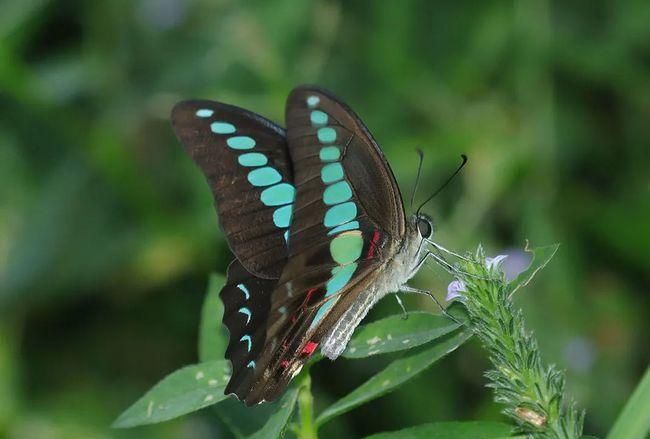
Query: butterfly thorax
(394,273)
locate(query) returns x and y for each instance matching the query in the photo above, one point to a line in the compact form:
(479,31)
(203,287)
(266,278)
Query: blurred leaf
(541,257)
(187,390)
(276,423)
(397,373)
(452,430)
(14,14)
(395,333)
(241,420)
(213,339)
(634,420)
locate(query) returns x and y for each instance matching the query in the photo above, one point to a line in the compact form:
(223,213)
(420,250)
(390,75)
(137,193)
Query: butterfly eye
(424,227)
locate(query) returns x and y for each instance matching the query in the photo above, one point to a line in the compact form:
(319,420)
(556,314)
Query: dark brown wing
(348,220)
(247,301)
(244,158)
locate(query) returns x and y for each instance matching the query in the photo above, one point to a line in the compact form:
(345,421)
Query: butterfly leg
(446,265)
(439,259)
(441,248)
(409,289)
(401,305)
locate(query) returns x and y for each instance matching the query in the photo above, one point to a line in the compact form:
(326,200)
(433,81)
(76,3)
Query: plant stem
(533,394)
(307,427)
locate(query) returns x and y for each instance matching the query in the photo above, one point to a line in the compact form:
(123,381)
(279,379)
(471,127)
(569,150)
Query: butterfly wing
(245,159)
(247,300)
(348,221)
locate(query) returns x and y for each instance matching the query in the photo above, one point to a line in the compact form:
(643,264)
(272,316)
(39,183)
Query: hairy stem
(532,393)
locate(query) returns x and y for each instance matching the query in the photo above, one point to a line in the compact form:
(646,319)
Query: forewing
(245,159)
(348,220)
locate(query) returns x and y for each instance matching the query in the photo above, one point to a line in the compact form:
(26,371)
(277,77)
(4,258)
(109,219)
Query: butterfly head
(424,225)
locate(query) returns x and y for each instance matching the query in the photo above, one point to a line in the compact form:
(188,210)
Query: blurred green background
(108,234)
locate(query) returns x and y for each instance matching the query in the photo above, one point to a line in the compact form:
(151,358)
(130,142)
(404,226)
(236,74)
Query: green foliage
(187,390)
(396,374)
(278,420)
(452,430)
(398,332)
(634,421)
(212,334)
(184,391)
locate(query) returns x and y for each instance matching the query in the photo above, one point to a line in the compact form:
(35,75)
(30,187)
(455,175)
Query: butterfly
(316,222)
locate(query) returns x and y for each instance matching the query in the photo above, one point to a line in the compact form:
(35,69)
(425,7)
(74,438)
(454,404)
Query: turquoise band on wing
(251,159)
(244,290)
(265,176)
(204,112)
(347,243)
(222,128)
(277,193)
(247,313)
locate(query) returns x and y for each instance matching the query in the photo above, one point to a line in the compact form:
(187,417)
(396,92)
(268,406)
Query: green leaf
(213,339)
(452,430)
(634,420)
(187,390)
(541,257)
(276,423)
(241,420)
(395,333)
(397,373)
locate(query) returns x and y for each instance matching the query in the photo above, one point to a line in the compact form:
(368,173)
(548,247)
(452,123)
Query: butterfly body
(391,278)
(315,219)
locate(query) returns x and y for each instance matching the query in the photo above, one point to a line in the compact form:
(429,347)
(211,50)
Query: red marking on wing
(309,348)
(310,292)
(373,244)
(284,364)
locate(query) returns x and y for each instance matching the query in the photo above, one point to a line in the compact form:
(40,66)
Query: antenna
(444,185)
(417,178)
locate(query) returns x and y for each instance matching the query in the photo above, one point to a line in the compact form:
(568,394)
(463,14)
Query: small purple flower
(516,263)
(495,262)
(455,289)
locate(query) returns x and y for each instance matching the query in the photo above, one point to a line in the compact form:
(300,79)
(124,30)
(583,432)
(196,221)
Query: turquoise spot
(204,112)
(317,117)
(340,214)
(329,153)
(240,142)
(282,216)
(278,195)
(337,193)
(341,275)
(286,236)
(312,101)
(326,134)
(247,312)
(252,159)
(245,290)
(331,173)
(251,364)
(282,310)
(265,176)
(222,128)
(346,247)
(352,225)
(247,338)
